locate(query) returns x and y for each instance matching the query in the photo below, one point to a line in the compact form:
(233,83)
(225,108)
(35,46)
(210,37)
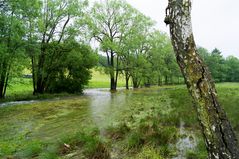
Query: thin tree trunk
(117,72)
(135,82)
(33,75)
(40,70)
(159,81)
(1,88)
(3,79)
(220,139)
(127,81)
(112,74)
(6,81)
(166,80)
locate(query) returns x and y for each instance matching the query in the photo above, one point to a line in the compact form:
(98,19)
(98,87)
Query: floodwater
(186,142)
(97,106)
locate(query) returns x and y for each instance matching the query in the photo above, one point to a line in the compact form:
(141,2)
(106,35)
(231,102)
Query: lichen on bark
(219,137)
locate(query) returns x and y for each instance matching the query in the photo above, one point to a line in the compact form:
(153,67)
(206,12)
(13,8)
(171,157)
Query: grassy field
(139,123)
(101,80)
(21,88)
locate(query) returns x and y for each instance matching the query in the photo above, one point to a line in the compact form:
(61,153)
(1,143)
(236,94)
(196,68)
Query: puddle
(186,142)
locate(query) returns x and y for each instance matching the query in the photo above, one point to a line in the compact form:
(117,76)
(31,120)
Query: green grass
(135,124)
(101,80)
(19,86)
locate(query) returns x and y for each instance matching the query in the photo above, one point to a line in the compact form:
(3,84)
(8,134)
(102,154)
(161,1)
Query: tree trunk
(40,71)
(166,80)
(159,81)
(3,79)
(6,81)
(220,139)
(112,84)
(112,73)
(127,81)
(135,82)
(1,88)
(33,74)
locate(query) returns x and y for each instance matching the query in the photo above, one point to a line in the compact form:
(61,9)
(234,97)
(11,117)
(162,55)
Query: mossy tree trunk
(219,137)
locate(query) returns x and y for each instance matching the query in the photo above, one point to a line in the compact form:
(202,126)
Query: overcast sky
(215,22)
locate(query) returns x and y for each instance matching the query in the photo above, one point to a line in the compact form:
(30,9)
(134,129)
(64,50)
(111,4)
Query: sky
(215,22)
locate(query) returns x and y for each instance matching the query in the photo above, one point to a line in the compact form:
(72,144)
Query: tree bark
(166,80)
(40,71)
(136,82)
(3,78)
(113,76)
(219,137)
(127,81)
(159,81)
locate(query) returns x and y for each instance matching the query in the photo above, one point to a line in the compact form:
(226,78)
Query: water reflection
(186,142)
(104,105)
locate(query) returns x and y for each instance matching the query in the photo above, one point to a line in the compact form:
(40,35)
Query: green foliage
(72,69)
(222,69)
(12,36)
(232,65)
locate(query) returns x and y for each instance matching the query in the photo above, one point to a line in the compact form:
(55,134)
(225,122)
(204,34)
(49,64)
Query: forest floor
(156,122)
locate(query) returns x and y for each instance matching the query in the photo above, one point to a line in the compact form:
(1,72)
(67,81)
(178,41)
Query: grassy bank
(21,88)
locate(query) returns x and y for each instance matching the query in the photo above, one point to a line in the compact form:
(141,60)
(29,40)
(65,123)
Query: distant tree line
(222,69)
(131,45)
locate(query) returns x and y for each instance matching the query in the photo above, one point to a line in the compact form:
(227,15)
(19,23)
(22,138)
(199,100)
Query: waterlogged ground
(155,123)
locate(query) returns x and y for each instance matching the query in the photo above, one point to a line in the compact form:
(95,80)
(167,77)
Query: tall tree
(135,48)
(216,64)
(220,139)
(11,38)
(109,22)
(56,25)
(232,65)
(31,11)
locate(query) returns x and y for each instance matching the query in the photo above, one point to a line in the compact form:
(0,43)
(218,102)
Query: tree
(31,11)
(232,65)
(71,70)
(134,52)
(162,59)
(56,25)
(220,139)
(216,64)
(108,23)
(11,38)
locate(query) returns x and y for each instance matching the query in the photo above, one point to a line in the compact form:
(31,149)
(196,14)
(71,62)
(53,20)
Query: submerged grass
(127,124)
(83,144)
